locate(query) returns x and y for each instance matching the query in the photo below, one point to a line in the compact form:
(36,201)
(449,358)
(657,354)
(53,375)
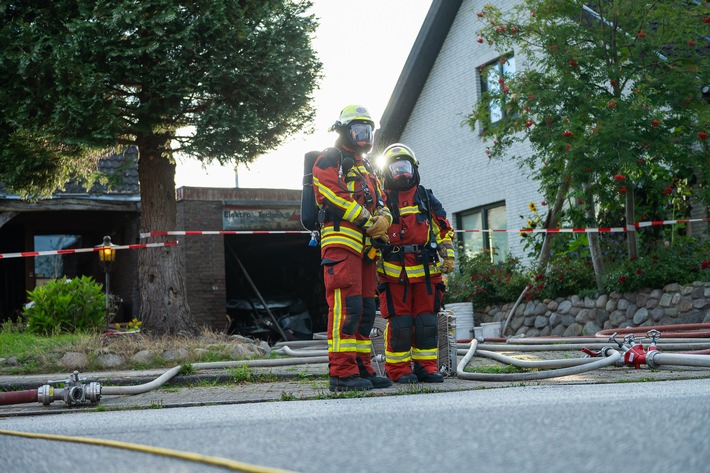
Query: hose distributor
(75,391)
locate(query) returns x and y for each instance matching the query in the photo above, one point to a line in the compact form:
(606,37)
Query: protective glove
(448,265)
(378,228)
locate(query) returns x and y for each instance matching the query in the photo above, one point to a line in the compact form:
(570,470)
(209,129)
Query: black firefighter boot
(425,377)
(378,382)
(349,383)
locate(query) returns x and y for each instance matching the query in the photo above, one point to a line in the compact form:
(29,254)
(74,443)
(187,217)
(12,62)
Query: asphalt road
(646,427)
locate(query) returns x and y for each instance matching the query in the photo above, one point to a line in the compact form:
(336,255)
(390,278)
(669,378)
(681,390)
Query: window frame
(500,69)
(486,235)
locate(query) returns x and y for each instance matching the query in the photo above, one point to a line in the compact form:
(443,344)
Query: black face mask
(401,175)
(359,135)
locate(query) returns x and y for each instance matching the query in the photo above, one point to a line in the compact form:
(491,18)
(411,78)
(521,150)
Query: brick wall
(204,261)
(200,209)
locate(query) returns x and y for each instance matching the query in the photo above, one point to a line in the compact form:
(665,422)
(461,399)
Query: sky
(388,28)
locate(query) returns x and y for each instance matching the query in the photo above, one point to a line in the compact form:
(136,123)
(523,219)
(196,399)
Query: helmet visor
(361,134)
(401,169)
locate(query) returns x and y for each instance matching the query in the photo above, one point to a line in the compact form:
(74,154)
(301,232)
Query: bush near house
(66,306)
(483,282)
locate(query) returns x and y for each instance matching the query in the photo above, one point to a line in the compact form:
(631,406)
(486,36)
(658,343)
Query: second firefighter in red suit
(352,211)
(410,270)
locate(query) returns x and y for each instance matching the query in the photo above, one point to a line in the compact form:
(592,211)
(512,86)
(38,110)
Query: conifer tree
(218,80)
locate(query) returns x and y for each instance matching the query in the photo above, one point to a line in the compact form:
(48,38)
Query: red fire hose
(18,397)
(669,331)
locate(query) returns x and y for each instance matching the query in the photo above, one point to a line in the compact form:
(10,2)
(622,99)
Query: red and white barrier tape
(628,228)
(223,232)
(26,254)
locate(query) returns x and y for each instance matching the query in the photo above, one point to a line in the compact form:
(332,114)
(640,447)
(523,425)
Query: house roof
(416,71)
(122,167)
(123,194)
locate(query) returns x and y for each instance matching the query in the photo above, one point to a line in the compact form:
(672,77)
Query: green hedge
(66,305)
(483,282)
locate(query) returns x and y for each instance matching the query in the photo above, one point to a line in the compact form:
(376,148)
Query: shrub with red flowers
(483,282)
(676,263)
(563,276)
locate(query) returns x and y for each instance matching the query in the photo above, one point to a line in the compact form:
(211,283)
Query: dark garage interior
(282,271)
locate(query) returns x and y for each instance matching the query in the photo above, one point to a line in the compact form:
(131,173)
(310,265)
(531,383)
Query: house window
(491,82)
(50,267)
(484,220)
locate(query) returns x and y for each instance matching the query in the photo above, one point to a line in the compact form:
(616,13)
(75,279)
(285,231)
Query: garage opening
(283,272)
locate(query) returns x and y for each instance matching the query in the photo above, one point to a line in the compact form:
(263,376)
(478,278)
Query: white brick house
(435,92)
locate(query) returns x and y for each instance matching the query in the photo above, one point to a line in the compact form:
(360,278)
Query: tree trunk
(593,238)
(551,222)
(630,228)
(164,308)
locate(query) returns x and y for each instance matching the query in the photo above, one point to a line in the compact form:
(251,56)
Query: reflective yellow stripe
(428,354)
(363,346)
(336,343)
(417,271)
(337,321)
(410,209)
(414,209)
(398,357)
(345,236)
(351,209)
(343,242)
(344,345)
(329,230)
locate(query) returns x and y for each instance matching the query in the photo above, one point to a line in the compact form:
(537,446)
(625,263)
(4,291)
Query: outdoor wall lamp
(107,255)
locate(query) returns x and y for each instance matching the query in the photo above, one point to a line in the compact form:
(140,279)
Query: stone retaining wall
(574,316)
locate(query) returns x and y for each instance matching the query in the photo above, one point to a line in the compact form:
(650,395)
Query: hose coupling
(609,351)
(650,356)
(74,392)
(45,394)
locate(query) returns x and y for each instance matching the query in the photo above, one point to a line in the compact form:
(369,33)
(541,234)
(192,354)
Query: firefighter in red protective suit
(410,270)
(352,211)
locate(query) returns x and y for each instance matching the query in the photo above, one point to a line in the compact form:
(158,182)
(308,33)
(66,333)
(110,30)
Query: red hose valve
(635,356)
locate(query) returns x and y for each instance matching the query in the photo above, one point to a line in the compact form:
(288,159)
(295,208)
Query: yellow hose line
(194,457)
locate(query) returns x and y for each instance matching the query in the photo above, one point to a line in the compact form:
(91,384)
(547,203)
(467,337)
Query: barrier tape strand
(30,254)
(628,228)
